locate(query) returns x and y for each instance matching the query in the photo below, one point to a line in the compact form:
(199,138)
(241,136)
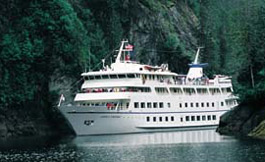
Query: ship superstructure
(130,97)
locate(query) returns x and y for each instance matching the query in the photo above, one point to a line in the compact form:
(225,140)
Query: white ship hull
(89,122)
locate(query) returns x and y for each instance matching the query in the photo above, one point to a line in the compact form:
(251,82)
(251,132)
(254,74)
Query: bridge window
(154,105)
(161,105)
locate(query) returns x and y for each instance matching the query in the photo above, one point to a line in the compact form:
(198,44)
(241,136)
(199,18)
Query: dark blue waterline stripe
(185,127)
(73,112)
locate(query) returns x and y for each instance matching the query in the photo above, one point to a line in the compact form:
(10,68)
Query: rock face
(243,121)
(150,27)
(18,123)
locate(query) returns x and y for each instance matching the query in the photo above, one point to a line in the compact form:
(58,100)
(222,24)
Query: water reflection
(198,146)
(197,136)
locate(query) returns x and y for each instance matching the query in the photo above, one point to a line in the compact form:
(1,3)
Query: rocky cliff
(244,120)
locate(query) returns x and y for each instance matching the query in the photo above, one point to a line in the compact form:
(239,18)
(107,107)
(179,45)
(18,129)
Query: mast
(118,59)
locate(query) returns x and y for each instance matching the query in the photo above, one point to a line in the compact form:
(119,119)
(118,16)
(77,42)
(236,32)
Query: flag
(129,47)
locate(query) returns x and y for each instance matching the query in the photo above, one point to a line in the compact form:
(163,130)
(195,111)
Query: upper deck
(125,72)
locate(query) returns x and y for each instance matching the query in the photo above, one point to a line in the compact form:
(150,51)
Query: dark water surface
(188,146)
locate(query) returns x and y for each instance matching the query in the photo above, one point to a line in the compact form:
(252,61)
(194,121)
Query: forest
(46,39)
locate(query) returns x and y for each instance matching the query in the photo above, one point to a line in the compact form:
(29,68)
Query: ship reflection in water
(196,136)
(198,146)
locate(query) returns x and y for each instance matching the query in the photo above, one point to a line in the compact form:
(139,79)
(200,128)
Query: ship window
(212,104)
(136,105)
(168,105)
(142,105)
(154,105)
(149,105)
(209,117)
(161,104)
(207,104)
(181,119)
(187,118)
(203,118)
(229,89)
(192,118)
(105,77)
(191,104)
(222,103)
(154,119)
(198,118)
(202,104)
(130,75)
(166,118)
(214,117)
(175,90)
(186,104)
(121,76)
(84,104)
(180,105)
(113,76)
(127,105)
(150,77)
(189,91)
(153,76)
(202,91)
(161,90)
(91,77)
(148,119)
(97,77)
(197,104)
(160,119)
(86,78)
(214,91)
(172,118)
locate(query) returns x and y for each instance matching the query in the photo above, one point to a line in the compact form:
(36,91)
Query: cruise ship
(129,97)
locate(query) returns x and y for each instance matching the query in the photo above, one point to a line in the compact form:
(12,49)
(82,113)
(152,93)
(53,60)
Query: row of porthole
(187,118)
(199,105)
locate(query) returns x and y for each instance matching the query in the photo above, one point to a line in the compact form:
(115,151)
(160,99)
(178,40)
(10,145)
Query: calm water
(201,146)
